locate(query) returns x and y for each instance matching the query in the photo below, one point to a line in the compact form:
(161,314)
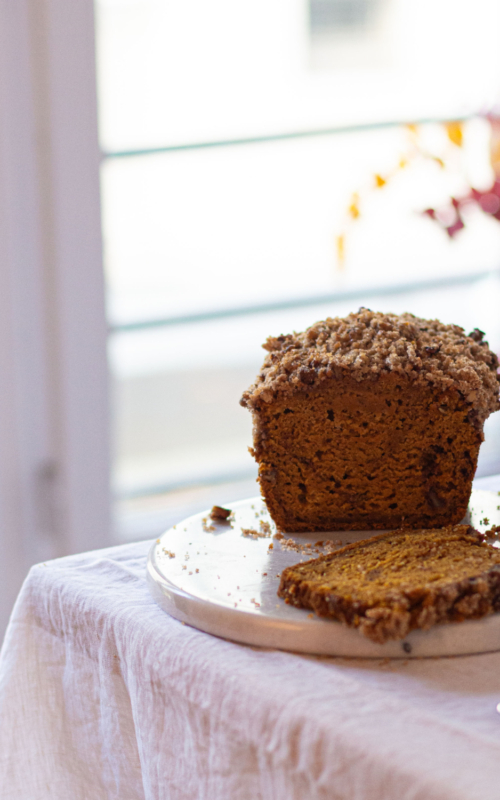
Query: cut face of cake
(396,582)
(371,422)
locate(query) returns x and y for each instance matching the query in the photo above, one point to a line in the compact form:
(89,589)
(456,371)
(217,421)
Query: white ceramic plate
(213,577)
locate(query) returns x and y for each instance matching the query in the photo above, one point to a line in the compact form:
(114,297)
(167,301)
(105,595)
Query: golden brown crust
(396,582)
(368,344)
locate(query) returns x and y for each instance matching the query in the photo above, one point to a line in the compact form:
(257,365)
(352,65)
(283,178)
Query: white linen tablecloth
(102,695)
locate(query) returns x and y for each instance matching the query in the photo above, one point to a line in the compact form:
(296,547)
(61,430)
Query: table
(102,695)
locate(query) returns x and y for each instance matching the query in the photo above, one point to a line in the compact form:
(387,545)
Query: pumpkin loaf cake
(395,582)
(373,421)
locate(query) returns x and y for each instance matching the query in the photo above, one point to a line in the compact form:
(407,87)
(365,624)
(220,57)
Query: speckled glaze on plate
(215,578)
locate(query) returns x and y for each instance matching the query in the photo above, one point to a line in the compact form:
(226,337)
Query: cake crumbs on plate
(306,548)
(220,514)
(168,553)
(206,527)
(253,534)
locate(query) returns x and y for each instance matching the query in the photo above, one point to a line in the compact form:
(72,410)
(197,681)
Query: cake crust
(368,344)
(396,582)
(371,422)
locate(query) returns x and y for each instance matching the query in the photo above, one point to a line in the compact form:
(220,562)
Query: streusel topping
(368,344)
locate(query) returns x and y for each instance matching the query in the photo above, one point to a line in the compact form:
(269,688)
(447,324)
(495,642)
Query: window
(234,135)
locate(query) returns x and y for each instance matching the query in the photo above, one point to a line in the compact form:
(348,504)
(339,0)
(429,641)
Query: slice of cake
(395,582)
(371,422)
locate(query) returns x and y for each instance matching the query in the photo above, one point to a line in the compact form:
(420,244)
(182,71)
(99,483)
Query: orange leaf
(341,249)
(353,209)
(454,131)
(380,181)
(495,145)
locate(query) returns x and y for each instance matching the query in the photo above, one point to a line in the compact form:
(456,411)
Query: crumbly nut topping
(367,344)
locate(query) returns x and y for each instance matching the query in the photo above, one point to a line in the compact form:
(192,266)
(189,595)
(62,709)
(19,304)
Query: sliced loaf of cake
(373,421)
(390,584)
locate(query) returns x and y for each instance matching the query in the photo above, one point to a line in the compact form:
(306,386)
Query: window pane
(173,71)
(212,229)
